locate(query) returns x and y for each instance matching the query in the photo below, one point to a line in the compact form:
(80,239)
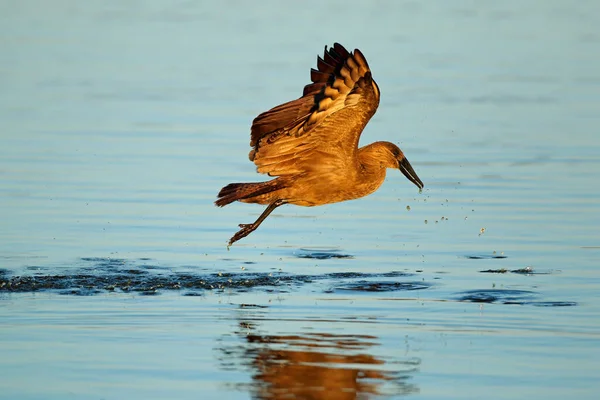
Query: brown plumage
(311,144)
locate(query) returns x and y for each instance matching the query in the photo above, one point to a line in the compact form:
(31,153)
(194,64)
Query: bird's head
(404,166)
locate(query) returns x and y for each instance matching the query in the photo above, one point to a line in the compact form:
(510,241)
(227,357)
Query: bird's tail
(246,191)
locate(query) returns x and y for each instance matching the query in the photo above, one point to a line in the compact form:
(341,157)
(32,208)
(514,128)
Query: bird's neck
(372,168)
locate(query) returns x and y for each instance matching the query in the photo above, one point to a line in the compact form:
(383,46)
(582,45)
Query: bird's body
(311,143)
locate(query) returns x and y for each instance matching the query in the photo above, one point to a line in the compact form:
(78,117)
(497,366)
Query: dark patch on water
(509,296)
(153,267)
(394,274)
(117,275)
(485,256)
(522,271)
(497,296)
(105,275)
(81,291)
(149,292)
(368,286)
(346,275)
(322,254)
(105,260)
(252,306)
(554,304)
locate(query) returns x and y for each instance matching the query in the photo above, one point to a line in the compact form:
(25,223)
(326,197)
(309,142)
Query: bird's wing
(288,138)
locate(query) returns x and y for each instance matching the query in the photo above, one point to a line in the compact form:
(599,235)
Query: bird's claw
(242,233)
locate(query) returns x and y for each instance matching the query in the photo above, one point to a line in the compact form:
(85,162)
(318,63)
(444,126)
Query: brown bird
(311,144)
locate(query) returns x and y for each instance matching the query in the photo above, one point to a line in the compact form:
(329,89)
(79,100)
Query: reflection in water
(316,366)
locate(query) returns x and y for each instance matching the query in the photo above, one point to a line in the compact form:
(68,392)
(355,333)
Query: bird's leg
(249,228)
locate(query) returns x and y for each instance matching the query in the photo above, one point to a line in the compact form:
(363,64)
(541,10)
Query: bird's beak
(409,172)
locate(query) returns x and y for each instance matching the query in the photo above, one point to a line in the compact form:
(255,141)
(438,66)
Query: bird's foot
(242,233)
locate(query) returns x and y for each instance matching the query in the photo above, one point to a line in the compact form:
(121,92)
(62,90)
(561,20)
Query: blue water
(120,121)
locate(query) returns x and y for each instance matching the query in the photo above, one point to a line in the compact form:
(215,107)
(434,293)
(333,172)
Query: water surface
(120,121)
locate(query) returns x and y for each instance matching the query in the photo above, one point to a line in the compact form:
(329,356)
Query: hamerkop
(311,144)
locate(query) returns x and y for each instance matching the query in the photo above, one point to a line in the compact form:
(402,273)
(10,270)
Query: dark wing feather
(282,137)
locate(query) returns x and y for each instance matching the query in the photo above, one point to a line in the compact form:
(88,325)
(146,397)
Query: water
(120,121)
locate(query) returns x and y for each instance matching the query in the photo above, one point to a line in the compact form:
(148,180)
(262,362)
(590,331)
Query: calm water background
(120,121)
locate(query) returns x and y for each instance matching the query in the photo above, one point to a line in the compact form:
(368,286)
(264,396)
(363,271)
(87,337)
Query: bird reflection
(317,366)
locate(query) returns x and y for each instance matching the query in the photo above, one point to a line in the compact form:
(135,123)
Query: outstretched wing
(325,122)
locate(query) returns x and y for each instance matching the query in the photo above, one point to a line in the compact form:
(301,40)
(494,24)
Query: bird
(310,145)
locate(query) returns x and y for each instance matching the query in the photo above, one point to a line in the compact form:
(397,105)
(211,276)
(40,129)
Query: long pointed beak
(410,173)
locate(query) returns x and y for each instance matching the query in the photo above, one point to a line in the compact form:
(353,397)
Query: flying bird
(311,144)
